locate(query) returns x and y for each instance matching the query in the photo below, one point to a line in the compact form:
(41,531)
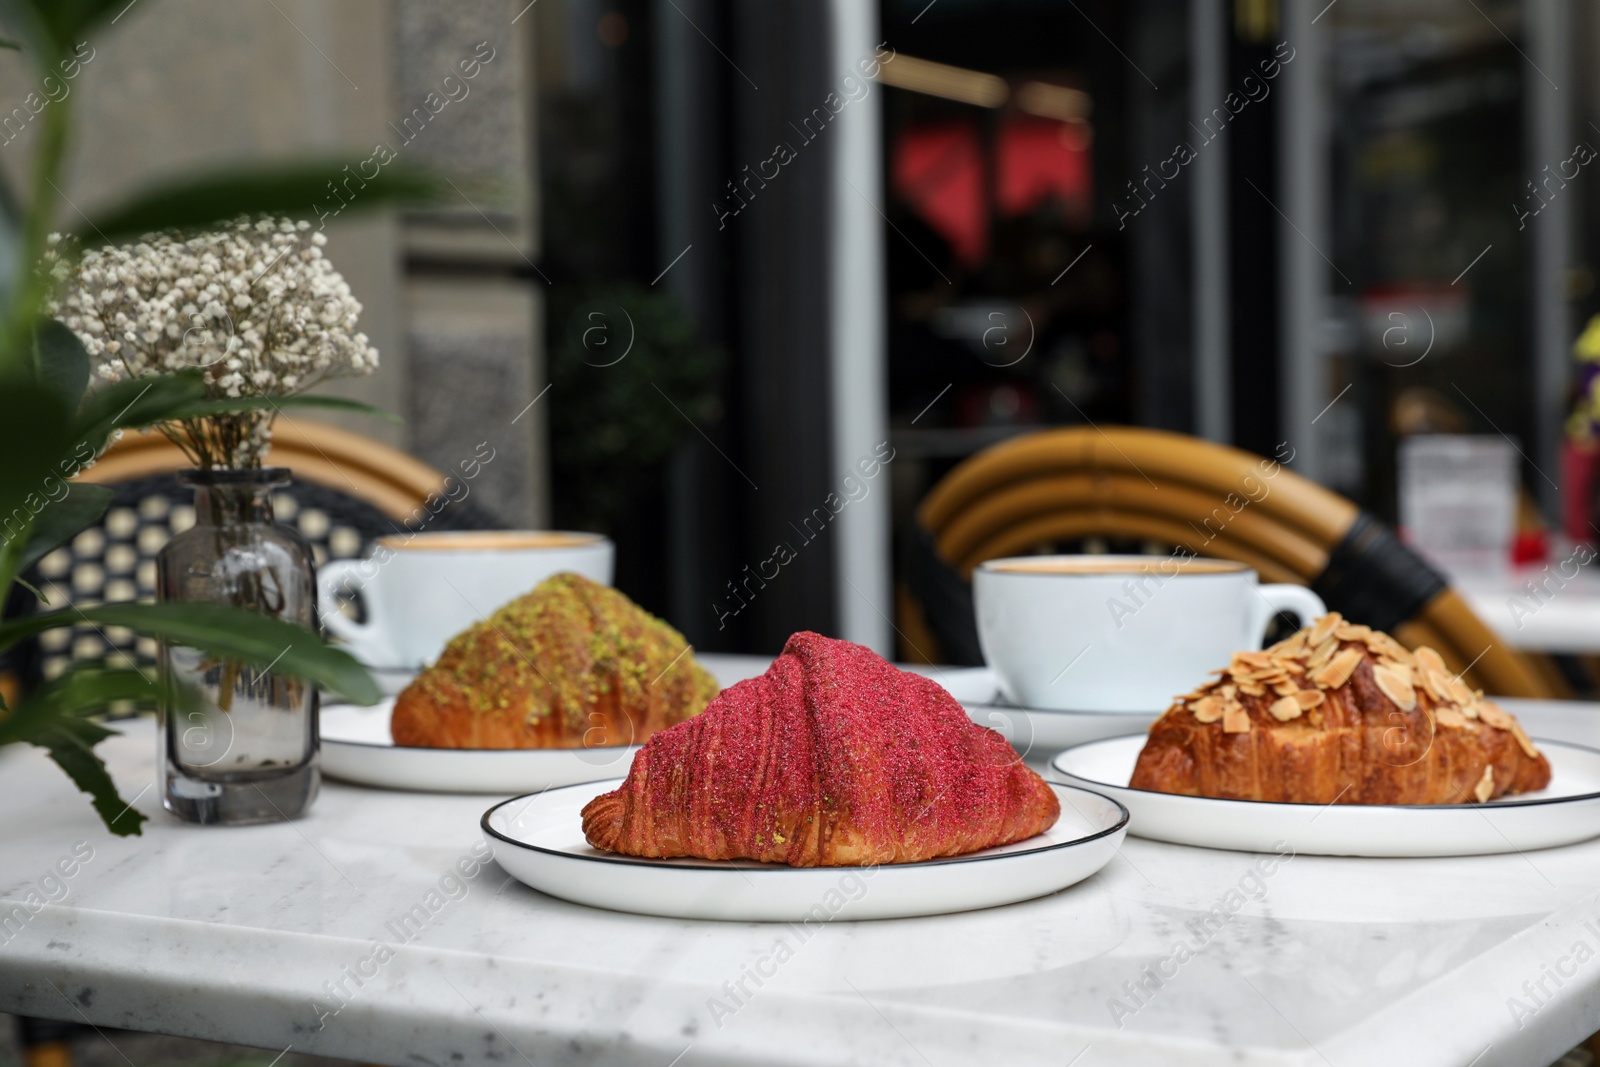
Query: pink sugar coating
(891,748)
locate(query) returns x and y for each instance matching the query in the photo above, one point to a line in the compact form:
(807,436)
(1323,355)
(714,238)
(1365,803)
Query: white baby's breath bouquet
(256,307)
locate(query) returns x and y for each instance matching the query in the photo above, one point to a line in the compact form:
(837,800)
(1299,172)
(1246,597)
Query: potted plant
(53,421)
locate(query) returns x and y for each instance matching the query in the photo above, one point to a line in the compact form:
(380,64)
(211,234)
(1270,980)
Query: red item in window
(1530,546)
(1580,464)
(938,169)
(1042,160)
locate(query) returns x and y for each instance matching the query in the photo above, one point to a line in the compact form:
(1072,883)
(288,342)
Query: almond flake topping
(1235,720)
(1395,686)
(1208,709)
(1495,716)
(1448,716)
(1323,628)
(1430,660)
(1285,708)
(1338,672)
(1325,651)
(1523,739)
(1386,646)
(1485,787)
(1309,698)
(1292,645)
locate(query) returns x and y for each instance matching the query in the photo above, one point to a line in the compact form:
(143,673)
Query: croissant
(1339,714)
(832,758)
(571,664)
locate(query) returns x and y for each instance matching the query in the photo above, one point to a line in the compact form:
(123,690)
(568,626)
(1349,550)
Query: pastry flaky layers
(832,758)
(573,664)
(1341,714)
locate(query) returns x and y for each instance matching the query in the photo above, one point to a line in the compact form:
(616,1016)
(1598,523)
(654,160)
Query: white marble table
(251,935)
(1553,608)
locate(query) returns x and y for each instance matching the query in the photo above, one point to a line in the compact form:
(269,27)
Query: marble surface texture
(1548,608)
(297,934)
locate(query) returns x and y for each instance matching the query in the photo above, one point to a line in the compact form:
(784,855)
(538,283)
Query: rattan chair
(1154,490)
(347,491)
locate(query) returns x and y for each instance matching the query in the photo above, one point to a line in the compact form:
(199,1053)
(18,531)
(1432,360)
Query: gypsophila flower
(256,307)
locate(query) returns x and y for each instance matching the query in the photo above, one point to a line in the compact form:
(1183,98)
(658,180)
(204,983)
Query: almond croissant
(832,758)
(1339,714)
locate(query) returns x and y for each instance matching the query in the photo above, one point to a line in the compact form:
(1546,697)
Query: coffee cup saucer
(1039,733)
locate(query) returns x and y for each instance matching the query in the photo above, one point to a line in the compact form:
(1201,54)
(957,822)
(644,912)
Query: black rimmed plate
(1565,812)
(539,839)
(356,747)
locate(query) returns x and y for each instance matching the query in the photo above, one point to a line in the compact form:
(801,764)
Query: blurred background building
(711,262)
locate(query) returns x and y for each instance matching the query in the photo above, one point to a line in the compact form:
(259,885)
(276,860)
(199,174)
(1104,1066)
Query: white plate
(356,747)
(1566,811)
(1036,733)
(539,839)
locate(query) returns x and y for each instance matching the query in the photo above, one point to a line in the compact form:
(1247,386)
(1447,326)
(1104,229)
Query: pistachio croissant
(573,664)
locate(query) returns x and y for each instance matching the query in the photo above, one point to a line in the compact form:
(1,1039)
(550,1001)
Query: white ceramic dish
(356,747)
(1567,811)
(1076,632)
(539,839)
(1036,733)
(969,685)
(421,589)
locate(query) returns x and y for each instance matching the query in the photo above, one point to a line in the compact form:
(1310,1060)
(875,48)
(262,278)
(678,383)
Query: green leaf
(60,362)
(35,432)
(135,403)
(300,190)
(202,408)
(56,25)
(55,718)
(64,518)
(252,638)
(12,543)
(71,745)
(81,691)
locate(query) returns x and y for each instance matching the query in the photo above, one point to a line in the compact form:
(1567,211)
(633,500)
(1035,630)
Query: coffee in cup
(1120,633)
(420,590)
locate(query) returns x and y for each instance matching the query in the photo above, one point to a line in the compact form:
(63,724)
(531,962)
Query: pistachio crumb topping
(562,648)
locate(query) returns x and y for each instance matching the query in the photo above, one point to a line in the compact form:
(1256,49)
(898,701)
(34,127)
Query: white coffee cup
(421,590)
(1120,633)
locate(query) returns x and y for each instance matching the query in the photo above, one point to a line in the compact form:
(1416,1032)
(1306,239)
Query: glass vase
(243,746)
